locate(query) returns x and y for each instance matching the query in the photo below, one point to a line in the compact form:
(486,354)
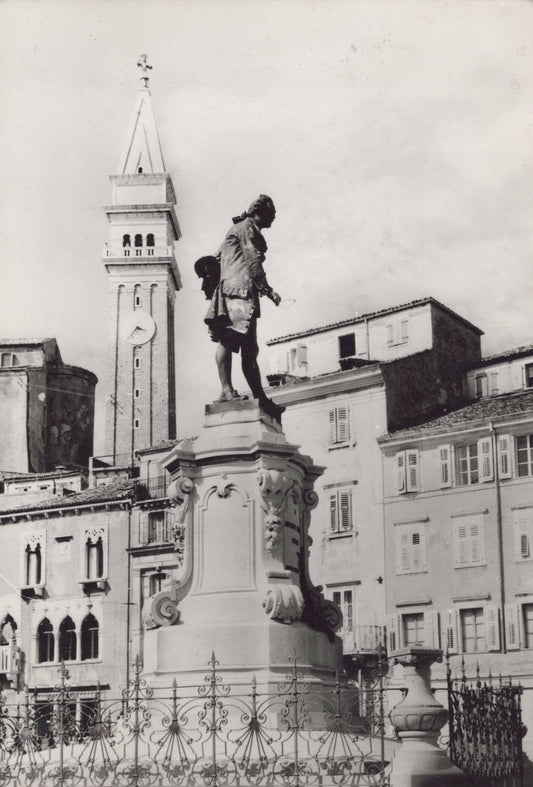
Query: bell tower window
(138,245)
(150,242)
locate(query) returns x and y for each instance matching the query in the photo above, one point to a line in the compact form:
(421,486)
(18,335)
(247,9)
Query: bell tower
(143,281)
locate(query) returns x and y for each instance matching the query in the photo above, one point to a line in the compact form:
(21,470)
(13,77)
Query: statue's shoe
(231,396)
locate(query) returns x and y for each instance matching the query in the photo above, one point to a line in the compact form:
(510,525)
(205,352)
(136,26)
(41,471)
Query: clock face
(138,328)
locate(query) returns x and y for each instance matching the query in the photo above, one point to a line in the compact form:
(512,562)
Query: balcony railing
(138,251)
(151,488)
(364,639)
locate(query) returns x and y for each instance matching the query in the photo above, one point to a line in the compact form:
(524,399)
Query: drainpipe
(499,524)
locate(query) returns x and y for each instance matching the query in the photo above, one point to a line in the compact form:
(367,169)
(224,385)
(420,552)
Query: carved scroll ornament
(160,609)
(284,602)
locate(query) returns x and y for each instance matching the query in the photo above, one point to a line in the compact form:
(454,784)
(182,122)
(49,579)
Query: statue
(235,280)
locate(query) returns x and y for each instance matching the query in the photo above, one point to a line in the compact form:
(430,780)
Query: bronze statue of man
(234,309)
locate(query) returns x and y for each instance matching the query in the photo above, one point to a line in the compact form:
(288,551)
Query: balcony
(9,661)
(151,488)
(124,252)
(364,639)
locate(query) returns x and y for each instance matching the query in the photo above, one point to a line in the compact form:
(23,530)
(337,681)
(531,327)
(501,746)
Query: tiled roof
(20,342)
(118,490)
(485,409)
(158,446)
(507,355)
(371,315)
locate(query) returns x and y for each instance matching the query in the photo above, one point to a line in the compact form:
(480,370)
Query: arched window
(94,554)
(126,240)
(67,640)
(89,638)
(138,240)
(150,242)
(33,565)
(7,631)
(45,641)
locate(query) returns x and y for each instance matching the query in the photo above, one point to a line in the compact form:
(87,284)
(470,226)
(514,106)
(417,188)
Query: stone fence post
(418,719)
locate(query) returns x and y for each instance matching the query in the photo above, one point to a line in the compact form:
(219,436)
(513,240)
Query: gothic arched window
(95,559)
(67,640)
(8,628)
(33,565)
(45,641)
(89,638)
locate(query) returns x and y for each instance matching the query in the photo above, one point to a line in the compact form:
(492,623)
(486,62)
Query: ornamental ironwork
(290,734)
(485,726)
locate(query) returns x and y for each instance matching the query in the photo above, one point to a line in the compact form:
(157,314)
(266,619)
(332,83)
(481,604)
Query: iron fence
(485,728)
(290,734)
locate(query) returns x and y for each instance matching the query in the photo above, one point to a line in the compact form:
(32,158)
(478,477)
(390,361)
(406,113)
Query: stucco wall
(13,444)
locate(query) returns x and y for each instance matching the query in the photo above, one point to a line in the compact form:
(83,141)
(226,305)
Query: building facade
(458,498)
(47,412)
(344,385)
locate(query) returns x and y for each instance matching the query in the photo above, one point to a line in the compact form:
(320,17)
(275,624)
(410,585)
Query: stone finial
(144,66)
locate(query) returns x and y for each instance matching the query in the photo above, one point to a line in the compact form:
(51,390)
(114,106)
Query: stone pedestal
(243,498)
(418,719)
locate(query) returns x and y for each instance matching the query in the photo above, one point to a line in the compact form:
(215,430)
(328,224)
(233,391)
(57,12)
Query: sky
(394,137)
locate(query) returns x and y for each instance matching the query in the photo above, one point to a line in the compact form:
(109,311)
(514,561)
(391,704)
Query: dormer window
(347,351)
(9,359)
(398,332)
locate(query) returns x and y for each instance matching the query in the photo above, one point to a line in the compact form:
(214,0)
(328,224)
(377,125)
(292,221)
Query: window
(481,385)
(93,559)
(138,301)
(137,393)
(340,510)
(413,628)
(398,332)
(156,582)
(407,471)
(339,425)
(410,548)
(474,462)
(472,630)
(469,541)
(494,383)
(34,566)
(67,640)
(344,599)
(528,369)
(150,241)
(138,240)
(523,533)
(297,357)
(8,359)
(89,638)
(158,527)
(45,641)
(524,455)
(137,363)
(445,465)
(136,423)
(347,345)
(126,240)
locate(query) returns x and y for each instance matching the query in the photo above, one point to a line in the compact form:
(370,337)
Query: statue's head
(262,209)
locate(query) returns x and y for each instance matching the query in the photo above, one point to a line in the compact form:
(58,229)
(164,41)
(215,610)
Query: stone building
(458,500)
(47,410)
(344,385)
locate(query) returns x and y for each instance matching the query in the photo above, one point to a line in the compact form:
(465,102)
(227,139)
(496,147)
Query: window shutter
(400,472)
(512,626)
(390,334)
(461,544)
(345,500)
(333,512)
(343,424)
(418,550)
(492,627)
(476,543)
(402,551)
(445,466)
(413,473)
(504,456)
(431,629)
(331,426)
(302,354)
(484,451)
(394,628)
(450,631)
(522,533)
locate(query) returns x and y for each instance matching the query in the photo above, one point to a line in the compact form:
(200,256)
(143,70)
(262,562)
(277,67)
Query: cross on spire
(144,66)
